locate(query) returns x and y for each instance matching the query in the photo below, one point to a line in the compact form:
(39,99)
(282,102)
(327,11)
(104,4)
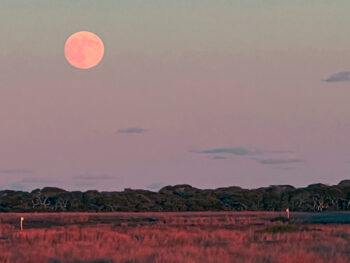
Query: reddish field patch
(169,237)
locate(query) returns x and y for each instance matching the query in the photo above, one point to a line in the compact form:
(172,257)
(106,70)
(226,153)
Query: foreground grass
(280,219)
(161,237)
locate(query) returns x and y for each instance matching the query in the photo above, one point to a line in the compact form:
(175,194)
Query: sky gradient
(207,93)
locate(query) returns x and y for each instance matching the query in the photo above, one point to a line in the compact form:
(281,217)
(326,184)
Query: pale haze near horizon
(207,93)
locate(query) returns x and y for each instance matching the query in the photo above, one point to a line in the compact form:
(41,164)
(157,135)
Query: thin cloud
(239,151)
(80,184)
(16,171)
(88,177)
(18,187)
(279,161)
(288,168)
(279,151)
(339,77)
(36,180)
(29,183)
(155,186)
(219,157)
(261,156)
(131,130)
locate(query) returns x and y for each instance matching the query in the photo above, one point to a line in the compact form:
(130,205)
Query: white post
(287,211)
(22,223)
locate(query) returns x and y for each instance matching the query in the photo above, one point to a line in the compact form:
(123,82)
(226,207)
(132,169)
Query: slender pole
(22,223)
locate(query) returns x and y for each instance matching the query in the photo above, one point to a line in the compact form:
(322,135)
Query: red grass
(173,237)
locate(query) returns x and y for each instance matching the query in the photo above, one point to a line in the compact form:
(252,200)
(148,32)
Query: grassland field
(259,237)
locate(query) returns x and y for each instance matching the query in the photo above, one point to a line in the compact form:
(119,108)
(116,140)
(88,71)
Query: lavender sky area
(207,93)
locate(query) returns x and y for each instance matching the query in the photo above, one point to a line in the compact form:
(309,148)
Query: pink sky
(195,100)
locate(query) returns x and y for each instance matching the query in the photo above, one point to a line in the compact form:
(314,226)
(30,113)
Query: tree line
(313,198)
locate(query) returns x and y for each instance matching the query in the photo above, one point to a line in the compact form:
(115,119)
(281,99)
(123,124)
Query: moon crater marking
(84,50)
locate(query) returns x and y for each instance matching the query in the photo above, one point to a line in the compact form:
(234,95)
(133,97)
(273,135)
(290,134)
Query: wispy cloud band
(279,161)
(239,151)
(131,130)
(261,156)
(339,77)
(15,171)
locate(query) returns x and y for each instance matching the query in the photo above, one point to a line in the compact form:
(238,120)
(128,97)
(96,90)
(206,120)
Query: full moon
(84,50)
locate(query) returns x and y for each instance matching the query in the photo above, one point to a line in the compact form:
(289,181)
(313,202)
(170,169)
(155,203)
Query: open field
(175,237)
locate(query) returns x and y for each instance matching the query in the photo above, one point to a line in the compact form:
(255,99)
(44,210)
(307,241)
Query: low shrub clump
(280,219)
(280,229)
